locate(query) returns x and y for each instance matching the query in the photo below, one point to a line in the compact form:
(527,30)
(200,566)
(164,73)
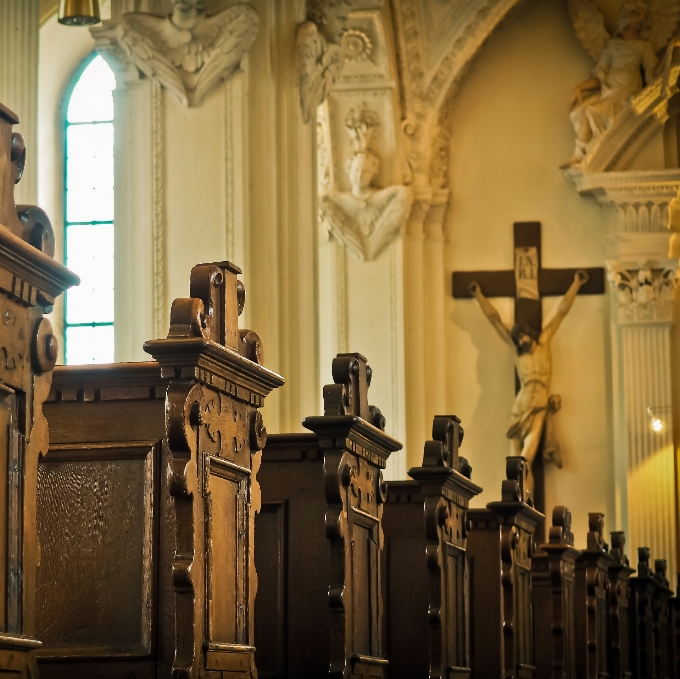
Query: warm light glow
(657,424)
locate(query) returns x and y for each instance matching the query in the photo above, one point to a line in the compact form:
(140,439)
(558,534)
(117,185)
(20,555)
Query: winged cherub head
(362,169)
(330,16)
(633,22)
(187,13)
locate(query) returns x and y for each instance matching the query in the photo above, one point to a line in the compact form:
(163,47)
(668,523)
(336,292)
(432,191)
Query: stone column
(425,286)
(19,27)
(643,280)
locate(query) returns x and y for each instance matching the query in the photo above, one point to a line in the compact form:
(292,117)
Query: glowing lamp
(657,424)
(79,12)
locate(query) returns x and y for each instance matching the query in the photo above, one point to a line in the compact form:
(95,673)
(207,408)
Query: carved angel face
(330,16)
(188,5)
(633,20)
(362,169)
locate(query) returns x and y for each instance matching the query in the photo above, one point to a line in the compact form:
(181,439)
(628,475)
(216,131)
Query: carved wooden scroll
(30,280)
(355,450)
(618,594)
(642,617)
(500,547)
(662,631)
(426,578)
(591,602)
(214,432)
(552,582)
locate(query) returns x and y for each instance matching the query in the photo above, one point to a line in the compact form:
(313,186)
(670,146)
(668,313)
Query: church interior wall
(511,132)
(235,178)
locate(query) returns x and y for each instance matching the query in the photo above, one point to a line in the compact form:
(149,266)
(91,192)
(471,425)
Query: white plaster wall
(511,131)
(62,48)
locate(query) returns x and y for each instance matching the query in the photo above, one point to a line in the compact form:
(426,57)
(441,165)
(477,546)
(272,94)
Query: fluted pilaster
(19,33)
(646,363)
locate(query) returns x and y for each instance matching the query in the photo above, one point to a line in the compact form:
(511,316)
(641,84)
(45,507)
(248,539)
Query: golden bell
(79,12)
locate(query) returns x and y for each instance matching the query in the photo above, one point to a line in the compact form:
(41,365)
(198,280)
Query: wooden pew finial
(217,300)
(618,548)
(515,486)
(442,450)
(595,540)
(644,555)
(560,531)
(349,393)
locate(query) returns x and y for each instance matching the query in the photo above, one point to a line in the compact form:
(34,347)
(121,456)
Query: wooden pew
(618,595)
(150,481)
(642,589)
(553,583)
(675,629)
(425,570)
(663,640)
(319,540)
(500,547)
(590,609)
(30,281)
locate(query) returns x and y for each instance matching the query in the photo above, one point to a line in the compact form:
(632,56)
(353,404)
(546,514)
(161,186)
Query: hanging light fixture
(79,12)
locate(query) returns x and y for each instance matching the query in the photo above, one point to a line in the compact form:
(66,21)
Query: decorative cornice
(212,364)
(355,434)
(626,186)
(30,275)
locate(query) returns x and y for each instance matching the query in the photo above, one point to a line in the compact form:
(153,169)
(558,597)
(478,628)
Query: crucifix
(528,283)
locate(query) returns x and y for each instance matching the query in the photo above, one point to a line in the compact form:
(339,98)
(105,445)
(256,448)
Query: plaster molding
(428,88)
(158,200)
(189,62)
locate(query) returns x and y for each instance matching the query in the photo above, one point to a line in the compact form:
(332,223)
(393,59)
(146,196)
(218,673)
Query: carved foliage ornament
(188,52)
(644,294)
(367,218)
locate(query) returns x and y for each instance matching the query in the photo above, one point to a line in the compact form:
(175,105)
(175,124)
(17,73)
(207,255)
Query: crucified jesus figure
(533,362)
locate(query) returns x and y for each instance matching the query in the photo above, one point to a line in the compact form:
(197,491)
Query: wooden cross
(528,283)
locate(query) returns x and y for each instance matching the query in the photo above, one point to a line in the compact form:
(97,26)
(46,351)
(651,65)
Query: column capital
(645,290)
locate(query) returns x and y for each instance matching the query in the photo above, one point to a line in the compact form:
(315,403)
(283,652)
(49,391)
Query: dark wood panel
(270,603)
(97,530)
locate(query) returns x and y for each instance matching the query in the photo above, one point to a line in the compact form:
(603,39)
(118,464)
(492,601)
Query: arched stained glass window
(88,239)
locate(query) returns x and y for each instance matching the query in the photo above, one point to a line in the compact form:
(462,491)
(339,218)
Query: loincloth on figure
(522,419)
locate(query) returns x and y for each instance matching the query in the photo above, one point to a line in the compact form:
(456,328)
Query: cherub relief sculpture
(530,418)
(187,51)
(320,58)
(626,61)
(645,294)
(367,218)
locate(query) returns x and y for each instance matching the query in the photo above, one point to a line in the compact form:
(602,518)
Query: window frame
(73,81)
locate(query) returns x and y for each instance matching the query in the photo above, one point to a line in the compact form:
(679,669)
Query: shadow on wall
(487,382)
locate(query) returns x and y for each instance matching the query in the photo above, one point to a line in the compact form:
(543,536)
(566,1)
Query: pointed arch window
(89,215)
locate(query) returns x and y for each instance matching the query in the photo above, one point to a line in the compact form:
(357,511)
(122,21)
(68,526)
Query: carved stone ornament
(187,51)
(367,218)
(320,56)
(644,294)
(626,62)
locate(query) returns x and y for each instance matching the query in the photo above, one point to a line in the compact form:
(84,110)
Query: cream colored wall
(62,48)
(511,131)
